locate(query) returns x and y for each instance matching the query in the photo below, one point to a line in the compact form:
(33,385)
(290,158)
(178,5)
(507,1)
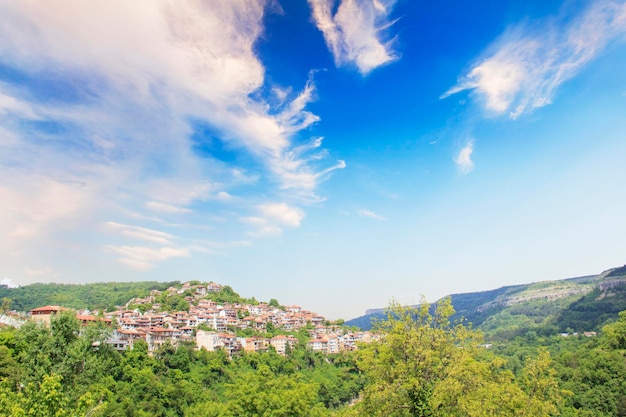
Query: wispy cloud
(262,227)
(166,208)
(355,33)
(33,205)
(463,159)
(223,196)
(10,104)
(272,218)
(523,69)
(370,215)
(143,258)
(141,233)
(117,106)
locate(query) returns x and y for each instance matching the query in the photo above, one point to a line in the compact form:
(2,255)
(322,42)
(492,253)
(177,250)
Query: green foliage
(593,310)
(274,303)
(425,366)
(6,304)
(79,296)
(262,393)
(172,302)
(62,370)
(228,295)
(615,333)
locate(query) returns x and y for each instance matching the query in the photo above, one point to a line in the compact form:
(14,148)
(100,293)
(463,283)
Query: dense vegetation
(65,371)
(423,365)
(103,295)
(108,295)
(593,309)
(428,361)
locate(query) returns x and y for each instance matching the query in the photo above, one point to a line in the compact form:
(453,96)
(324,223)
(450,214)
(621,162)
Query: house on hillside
(253,344)
(44,314)
(157,336)
(208,340)
(318,345)
(281,342)
(86,319)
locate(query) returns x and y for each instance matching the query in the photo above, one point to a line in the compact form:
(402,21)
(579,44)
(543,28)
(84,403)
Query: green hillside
(103,295)
(549,307)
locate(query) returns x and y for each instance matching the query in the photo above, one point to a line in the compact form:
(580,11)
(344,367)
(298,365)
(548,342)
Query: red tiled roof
(91,318)
(48,308)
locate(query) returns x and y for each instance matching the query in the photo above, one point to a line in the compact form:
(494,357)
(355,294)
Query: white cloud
(273,217)
(355,33)
(136,78)
(9,104)
(144,258)
(523,69)
(166,208)
(463,159)
(370,215)
(187,59)
(262,227)
(212,247)
(8,282)
(141,233)
(223,196)
(283,213)
(294,170)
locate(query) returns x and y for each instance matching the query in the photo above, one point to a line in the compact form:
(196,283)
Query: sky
(335,154)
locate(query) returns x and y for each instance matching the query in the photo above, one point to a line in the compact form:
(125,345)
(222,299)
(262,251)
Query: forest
(424,364)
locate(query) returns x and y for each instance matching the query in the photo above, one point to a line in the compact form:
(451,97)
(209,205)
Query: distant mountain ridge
(573,304)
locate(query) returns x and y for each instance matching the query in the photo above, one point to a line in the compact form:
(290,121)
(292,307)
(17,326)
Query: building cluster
(213,325)
(334,339)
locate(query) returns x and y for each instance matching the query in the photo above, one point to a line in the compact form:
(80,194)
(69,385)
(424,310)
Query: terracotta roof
(91,318)
(161,330)
(48,308)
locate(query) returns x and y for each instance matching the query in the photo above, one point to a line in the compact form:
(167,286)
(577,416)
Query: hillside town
(232,327)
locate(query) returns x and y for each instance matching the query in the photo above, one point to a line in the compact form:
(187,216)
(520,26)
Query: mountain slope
(578,304)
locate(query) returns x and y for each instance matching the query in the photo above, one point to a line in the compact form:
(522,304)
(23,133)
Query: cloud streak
(141,258)
(463,159)
(523,69)
(371,215)
(355,32)
(141,233)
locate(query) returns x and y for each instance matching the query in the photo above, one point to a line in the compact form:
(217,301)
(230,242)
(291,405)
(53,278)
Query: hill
(102,295)
(574,304)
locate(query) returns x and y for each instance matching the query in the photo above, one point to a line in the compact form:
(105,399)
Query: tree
(265,394)
(425,366)
(274,303)
(6,304)
(65,328)
(411,357)
(615,333)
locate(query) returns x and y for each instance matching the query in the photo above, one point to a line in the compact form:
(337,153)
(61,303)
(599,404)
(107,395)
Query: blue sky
(333,154)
